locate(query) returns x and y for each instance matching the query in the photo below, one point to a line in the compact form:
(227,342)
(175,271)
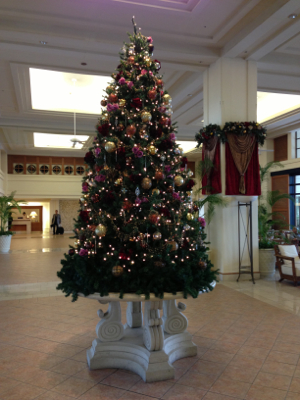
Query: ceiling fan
(75,139)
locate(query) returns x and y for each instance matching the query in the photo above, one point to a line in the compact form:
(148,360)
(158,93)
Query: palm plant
(268,219)
(7,203)
(211,200)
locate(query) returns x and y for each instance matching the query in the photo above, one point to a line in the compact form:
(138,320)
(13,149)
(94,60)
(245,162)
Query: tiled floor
(33,258)
(283,295)
(247,344)
(247,349)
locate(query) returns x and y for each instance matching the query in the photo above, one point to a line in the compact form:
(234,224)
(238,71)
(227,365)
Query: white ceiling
(188,36)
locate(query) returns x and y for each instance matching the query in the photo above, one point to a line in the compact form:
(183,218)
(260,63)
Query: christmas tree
(138,230)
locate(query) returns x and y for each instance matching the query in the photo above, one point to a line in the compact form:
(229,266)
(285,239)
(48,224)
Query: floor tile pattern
(247,349)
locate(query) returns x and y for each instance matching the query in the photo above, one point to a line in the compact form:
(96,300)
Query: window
(79,170)
(297,144)
(56,169)
(18,168)
(69,170)
(295,207)
(44,169)
(31,168)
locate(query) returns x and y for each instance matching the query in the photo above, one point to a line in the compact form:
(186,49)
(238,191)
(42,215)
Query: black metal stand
(247,225)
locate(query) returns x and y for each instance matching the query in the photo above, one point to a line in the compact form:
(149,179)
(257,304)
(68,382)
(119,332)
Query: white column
(230,94)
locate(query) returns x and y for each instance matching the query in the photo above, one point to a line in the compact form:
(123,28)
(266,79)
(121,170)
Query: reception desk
(21,222)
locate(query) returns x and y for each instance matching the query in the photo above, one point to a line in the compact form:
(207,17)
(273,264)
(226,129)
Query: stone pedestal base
(130,353)
(147,344)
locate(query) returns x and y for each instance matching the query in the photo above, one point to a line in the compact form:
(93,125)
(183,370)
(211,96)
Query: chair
(288,262)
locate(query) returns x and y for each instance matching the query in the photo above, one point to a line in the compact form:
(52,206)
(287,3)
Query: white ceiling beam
(264,23)
(279,83)
(275,42)
(189,104)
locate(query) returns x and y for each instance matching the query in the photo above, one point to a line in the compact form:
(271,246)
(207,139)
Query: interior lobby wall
(39,186)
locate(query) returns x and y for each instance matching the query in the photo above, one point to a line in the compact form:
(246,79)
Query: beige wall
(68,210)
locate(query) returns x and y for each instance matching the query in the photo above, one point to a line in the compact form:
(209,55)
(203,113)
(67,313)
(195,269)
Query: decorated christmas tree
(138,230)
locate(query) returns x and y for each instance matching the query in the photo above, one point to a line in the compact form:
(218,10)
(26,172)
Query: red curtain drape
(215,174)
(252,177)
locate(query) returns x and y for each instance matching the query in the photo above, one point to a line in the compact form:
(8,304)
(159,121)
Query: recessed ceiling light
(43,42)
(66,92)
(83,63)
(293,16)
(189,95)
(202,120)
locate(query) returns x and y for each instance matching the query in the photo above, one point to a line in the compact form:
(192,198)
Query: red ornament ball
(153,217)
(127,205)
(152,94)
(113,98)
(131,60)
(164,121)
(159,175)
(130,130)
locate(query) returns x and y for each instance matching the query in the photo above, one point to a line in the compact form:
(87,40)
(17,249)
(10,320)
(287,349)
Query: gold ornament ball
(173,244)
(100,230)
(189,216)
(143,133)
(104,117)
(159,264)
(146,183)
(118,182)
(167,99)
(110,147)
(110,87)
(155,191)
(122,103)
(147,61)
(117,270)
(146,116)
(131,51)
(157,235)
(103,103)
(178,180)
(141,236)
(202,264)
(152,149)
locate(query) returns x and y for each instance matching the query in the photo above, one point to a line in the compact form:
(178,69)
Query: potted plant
(266,222)
(7,203)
